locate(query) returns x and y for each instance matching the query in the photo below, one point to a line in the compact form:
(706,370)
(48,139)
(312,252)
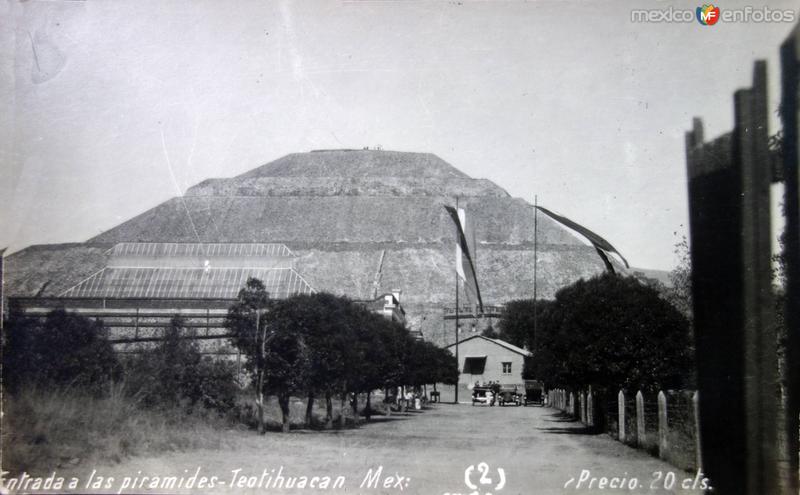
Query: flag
(601,245)
(465,258)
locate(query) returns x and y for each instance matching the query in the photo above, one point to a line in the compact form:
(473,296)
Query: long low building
(144,285)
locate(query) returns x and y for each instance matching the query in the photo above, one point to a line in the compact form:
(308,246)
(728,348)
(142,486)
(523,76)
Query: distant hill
(347,214)
(661,276)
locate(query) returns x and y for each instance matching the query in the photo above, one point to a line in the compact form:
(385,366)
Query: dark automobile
(509,395)
(534,392)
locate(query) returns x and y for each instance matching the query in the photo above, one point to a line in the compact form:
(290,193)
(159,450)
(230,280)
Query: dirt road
(419,452)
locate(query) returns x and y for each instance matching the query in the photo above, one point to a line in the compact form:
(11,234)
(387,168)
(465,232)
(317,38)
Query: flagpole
(457,361)
(535,258)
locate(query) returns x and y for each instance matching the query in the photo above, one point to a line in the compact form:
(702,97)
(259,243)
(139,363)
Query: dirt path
(538,451)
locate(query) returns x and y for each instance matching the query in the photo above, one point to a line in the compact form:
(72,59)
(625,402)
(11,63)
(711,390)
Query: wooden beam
(790,116)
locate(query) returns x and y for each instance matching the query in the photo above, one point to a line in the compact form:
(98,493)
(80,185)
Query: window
(507,368)
(474,365)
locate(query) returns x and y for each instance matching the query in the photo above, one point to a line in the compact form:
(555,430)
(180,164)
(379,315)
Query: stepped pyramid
(360,222)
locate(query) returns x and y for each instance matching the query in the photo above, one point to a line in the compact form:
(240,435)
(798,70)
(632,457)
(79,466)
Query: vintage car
(510,395)
(482,395)
(534,392)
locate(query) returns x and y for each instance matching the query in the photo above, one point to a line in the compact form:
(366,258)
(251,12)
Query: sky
(110,108)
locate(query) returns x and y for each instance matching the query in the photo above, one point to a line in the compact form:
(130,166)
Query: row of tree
(325,346)
(310,346)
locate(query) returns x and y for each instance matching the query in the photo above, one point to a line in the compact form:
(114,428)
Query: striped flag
(601,245)
(465,258)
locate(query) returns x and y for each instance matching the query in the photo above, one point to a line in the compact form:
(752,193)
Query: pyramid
(360,222)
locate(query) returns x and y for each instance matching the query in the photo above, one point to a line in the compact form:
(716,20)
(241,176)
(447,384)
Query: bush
(176,373)
(612,332)
(63,350)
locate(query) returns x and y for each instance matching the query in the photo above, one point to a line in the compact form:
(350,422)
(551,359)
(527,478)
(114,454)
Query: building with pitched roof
(482,360)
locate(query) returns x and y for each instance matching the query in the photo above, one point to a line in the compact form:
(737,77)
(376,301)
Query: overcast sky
(117,106)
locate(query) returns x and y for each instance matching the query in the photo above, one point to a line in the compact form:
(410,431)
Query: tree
(175,373)
(680,292)
(286,366)
(328,333)
(431,364)
(490,332)
(64,350)
(612,332)
(372,361)
(246,323)
(517,321)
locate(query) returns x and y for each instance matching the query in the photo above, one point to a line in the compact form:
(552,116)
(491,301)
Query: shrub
(175,373)
(612,332)
(63,350)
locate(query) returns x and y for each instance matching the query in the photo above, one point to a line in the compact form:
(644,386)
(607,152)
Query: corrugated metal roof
(205,249)
(162,282)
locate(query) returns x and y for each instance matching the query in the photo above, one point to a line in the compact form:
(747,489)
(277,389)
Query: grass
(44,430)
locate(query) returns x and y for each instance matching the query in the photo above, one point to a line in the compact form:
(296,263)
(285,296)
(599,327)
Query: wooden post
(621,416)
(729,181)
(790,115)
(583,407)
(590,408)
(640,426)
(760,357)
(572,404)
(663,426)
(696,419)
(2,283)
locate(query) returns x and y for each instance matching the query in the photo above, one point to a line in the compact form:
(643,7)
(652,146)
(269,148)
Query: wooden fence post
(696,418)
(572,404)
(729,205)
(663,426)
(790,115)
(621,416)
(590,408)
(583,407)
(640,429)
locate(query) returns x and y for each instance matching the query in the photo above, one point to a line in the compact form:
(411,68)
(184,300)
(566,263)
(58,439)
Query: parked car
(534,392)
(482,395)
(510,395)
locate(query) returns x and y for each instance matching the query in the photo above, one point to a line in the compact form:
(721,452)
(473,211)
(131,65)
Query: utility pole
(260,376)
(535,260)
(457,361)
